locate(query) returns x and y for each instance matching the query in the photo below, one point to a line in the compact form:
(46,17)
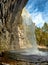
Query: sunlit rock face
(19,35)
(10,23)
(17,31)
(9,38)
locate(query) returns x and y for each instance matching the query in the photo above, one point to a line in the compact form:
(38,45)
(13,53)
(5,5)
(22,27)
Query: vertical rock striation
(10,13)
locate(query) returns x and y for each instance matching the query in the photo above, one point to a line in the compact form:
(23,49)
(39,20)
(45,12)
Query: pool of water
(35,52)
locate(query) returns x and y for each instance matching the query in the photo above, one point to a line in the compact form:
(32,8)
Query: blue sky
(38,10)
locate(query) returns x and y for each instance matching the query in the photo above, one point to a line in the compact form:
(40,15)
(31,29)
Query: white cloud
(45,13)
(30,7)
(37,18)
(39,11)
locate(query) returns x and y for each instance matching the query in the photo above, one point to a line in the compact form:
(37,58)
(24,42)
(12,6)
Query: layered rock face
(10,20)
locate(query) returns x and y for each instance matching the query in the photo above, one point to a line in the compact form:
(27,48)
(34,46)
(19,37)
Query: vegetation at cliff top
(42,35)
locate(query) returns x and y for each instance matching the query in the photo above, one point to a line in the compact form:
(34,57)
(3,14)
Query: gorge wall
(10,19)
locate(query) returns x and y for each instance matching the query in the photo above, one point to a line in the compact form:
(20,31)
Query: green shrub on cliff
(42,35)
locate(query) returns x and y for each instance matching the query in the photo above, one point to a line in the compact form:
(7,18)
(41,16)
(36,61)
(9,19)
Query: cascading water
(29,34)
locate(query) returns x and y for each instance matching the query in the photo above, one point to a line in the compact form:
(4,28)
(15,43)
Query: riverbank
(43,48)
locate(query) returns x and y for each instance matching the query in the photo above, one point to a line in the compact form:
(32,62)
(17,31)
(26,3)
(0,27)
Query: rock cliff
(10,20)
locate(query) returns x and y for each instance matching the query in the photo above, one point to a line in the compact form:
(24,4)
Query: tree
(45,27)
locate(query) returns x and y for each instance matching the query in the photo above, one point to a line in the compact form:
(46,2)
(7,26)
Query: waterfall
(29,33)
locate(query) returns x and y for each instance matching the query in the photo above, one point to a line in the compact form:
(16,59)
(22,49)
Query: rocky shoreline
(29,58)
(17,58)
(43,48)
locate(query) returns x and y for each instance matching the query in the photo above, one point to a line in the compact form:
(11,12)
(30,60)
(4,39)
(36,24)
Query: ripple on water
(34,52)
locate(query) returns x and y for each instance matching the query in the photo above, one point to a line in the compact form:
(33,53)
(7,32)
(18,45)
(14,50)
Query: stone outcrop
(10,20)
